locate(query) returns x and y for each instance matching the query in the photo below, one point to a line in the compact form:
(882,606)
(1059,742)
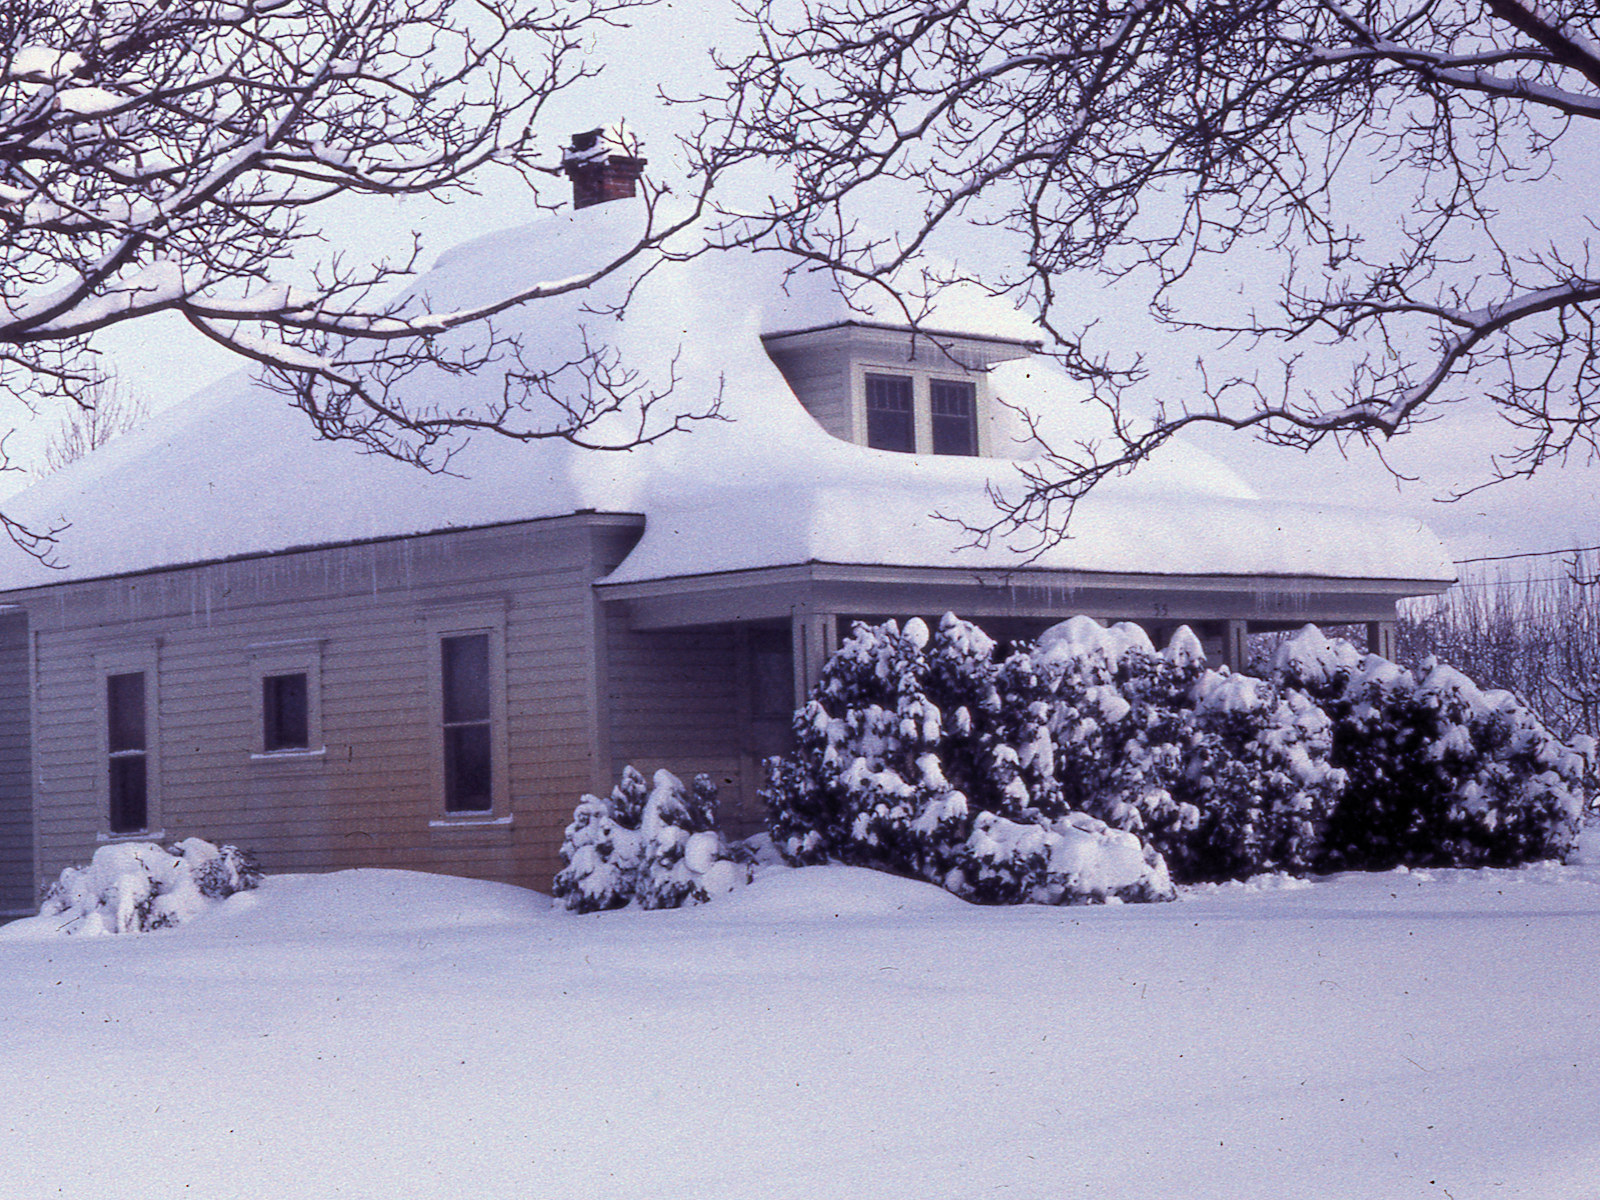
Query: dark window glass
(466,678)
(890,420)
(954,405)
(771,674)
(125,711)
(129,794)
(285,713)
(125,741)
(468,772)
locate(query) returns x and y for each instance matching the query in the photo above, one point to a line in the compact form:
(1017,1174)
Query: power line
(1497,583)
(1461,562)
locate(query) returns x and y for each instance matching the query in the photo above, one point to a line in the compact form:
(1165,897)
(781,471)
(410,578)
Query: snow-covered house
(338,660)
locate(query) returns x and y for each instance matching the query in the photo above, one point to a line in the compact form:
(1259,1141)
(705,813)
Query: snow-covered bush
(651,842)
(919,754)
(1258,775)
(1116,712)
(134,887)
(1440,773)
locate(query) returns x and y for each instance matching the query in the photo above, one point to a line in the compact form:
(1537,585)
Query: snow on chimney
(603,164)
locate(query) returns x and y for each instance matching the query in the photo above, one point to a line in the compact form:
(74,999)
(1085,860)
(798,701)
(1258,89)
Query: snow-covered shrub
(919,754)
(1118,721)
(651,842)
(1440,773)
(1068,860)
(134,887)
(1258,774)
(922,754)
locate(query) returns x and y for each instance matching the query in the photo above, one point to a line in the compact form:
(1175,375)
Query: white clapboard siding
(371,798)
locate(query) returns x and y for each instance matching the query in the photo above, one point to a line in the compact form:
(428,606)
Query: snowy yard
(828,1032)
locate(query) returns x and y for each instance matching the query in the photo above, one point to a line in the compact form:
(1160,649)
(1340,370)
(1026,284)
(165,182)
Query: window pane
(955,416)
(467,773)
(128,794)
(771,674)
(466,678)
(890,424)
(125,711)
(285,713)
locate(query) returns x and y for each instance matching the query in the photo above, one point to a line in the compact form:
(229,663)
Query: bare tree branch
(171,157)
(1369,148)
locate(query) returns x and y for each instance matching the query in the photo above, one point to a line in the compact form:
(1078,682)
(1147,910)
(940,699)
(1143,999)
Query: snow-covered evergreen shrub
(920,753)
(651,842)
(1118,719)
(1439,772)
(907,759)
(134,887)
(1258,774)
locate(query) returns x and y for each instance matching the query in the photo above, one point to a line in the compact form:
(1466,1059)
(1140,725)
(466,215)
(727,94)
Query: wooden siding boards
(16,792)
(368,799)
(820,380)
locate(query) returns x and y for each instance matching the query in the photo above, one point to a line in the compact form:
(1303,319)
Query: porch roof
(781,592)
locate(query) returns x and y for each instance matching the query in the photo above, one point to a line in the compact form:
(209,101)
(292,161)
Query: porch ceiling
(774,593)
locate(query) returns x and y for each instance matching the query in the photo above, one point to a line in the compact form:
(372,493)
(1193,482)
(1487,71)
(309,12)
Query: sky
(668,49)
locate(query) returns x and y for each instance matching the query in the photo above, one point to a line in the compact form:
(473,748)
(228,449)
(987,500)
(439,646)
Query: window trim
(300,656)
(459,621)
(127,661)
(921,376)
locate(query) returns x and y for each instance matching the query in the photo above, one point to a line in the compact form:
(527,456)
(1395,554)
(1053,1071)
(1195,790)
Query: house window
(954,406)
(891,414)
(285,713)
(286,682)
(468,723)
(771,675)
(127,751)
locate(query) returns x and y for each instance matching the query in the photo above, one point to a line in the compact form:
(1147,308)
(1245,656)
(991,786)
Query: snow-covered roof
(234,471)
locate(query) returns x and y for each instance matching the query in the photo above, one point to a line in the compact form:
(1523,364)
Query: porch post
(1236,645)
(814,637)
(1383,639)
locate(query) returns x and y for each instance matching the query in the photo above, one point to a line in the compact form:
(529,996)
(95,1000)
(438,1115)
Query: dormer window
(891,413)
(891,409)
(954,407)
(894,388)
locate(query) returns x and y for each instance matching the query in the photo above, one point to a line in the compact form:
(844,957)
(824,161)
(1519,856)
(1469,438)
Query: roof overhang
(771,593)
(972,351)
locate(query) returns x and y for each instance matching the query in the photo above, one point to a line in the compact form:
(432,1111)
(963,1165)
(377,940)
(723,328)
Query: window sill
(471,821)
(287,755)
(140,835)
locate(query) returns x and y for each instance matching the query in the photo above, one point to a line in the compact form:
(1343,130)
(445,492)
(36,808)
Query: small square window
(286,681)
(954,407)
(285,712)
(891,422)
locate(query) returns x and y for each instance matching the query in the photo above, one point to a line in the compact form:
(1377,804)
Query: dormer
(893,388)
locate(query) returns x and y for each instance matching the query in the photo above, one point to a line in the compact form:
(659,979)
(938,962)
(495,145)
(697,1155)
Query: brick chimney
(603,164)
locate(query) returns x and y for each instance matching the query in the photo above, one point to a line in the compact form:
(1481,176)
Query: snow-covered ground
(827,1032)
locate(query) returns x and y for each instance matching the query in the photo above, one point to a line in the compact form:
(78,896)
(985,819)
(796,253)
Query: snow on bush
(654,843)
(919,754)
(1439,772)
(1258,771)
(134,887)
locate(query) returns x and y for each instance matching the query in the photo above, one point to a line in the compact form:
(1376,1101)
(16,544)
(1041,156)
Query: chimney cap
(596,146)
